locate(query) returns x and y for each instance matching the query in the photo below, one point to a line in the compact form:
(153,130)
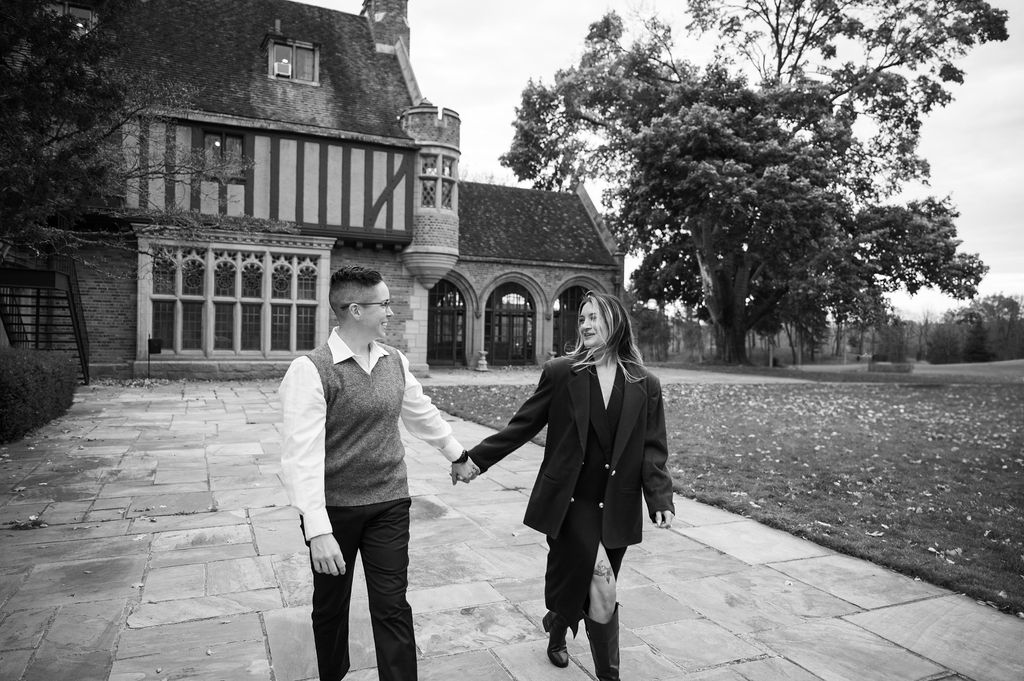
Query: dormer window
(296,61)
(83,16)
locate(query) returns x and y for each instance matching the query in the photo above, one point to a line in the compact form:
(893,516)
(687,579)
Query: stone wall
(110,296)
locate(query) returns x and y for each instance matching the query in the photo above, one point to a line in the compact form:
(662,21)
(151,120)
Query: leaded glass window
(224,278)
(306,282)
(223,326)
(163,322)
(193,275)
(280,326)
(305,327)
(429,191)
(281,281)
(163,274)
(252,280)
(437,181)
(191,326)
(252,326)
(232,312)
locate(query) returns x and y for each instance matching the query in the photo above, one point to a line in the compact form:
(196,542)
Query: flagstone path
(169,552)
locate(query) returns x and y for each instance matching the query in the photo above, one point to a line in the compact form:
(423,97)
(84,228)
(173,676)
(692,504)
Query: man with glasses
(343,465)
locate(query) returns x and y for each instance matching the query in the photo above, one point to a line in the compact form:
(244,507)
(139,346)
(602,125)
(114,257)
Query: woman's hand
(663,518)
(464,472)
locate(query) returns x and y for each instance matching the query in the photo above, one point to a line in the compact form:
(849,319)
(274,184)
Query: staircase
(41,309)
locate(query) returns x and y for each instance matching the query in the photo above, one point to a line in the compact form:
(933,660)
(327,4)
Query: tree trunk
(725,285)
(736,345)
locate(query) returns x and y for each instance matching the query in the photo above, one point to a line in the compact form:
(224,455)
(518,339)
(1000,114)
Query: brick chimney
(388,22)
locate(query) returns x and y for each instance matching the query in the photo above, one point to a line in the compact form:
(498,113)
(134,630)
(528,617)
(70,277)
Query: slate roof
(217,45)
(527,224)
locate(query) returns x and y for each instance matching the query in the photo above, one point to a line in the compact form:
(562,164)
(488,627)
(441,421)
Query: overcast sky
(475,56)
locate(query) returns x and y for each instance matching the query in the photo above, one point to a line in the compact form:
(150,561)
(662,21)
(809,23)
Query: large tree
(740,191)
(68,99)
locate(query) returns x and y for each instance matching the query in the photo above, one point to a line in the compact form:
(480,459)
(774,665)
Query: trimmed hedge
(35,388)
(891,367)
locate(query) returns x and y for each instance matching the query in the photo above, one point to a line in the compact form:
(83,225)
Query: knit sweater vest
(364,456)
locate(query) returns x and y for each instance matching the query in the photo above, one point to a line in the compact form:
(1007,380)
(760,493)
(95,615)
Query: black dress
(571,555)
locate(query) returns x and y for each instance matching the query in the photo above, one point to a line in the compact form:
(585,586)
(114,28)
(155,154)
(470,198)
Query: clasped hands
(464,472)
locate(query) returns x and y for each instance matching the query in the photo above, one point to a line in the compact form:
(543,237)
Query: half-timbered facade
(325,153)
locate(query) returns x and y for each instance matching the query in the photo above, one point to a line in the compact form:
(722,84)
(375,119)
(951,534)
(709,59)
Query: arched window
(564,318)
(509,326)
(446,325)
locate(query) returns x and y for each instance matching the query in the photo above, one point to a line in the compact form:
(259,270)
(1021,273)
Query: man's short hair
(348,282)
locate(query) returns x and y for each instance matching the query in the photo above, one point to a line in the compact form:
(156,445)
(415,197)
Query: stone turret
(389,22)
(435,242)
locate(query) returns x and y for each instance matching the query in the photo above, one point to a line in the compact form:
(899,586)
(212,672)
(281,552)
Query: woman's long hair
(620,341)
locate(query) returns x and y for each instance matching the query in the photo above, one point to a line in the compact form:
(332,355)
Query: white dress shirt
(303,431)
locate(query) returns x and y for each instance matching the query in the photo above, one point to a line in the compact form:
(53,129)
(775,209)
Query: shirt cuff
(316,523)
(452,449)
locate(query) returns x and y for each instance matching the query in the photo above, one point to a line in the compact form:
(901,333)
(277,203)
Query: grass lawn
(923,476)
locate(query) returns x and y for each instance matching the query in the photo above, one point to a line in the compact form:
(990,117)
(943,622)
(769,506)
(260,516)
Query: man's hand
(325,554)
(464,472)
(663,518)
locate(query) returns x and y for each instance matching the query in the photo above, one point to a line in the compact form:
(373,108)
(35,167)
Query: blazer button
(600,504)
(613,472)
(572,499)
(607,466)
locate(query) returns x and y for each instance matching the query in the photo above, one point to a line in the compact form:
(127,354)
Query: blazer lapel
(579,396)
(633,398)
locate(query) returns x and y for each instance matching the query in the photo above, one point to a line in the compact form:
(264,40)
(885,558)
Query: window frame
(439,182)
(236,176)
(312,299)
(292,45)
(64,9)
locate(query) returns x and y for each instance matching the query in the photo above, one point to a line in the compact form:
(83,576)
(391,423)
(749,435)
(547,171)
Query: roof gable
(218,46)
(528,224)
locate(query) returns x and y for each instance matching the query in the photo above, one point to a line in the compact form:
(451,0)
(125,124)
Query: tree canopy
(744,192)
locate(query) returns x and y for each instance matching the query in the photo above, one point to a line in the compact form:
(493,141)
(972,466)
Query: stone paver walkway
(169,553)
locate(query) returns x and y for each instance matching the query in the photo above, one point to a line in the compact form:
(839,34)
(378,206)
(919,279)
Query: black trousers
(380,534)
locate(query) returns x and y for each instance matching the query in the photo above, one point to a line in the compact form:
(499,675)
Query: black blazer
(638,457)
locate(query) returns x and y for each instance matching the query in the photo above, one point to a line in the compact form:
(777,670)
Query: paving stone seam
(39,646)
(938,675)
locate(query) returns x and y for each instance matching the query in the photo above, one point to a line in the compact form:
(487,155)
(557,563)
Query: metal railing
(41,307)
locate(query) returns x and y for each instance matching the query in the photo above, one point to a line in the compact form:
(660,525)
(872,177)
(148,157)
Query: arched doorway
(446,324)
(509,326)
(564,318)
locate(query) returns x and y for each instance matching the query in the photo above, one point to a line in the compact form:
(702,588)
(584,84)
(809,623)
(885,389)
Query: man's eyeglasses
(382,303)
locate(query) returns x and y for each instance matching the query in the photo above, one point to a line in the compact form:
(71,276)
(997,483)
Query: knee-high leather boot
(604,645)
(556,627)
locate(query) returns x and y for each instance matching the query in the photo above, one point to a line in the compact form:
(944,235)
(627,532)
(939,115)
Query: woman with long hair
(606,452)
